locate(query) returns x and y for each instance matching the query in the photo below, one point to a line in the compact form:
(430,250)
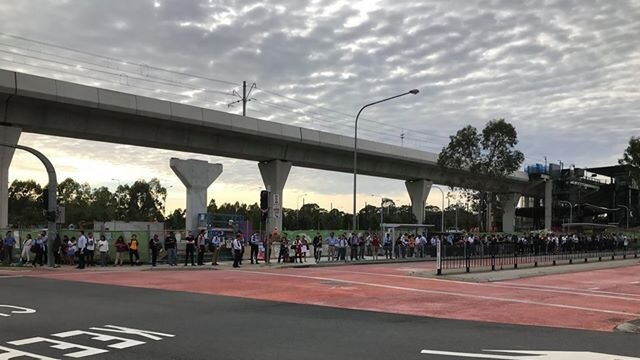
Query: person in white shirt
(26,249)
(91,248)
(237,250)
(103,249)
(215,248)
(82,247)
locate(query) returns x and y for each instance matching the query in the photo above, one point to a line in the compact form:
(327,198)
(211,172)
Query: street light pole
(442,224)
(355,148)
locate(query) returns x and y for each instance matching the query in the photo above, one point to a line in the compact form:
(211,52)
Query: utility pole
(245,98)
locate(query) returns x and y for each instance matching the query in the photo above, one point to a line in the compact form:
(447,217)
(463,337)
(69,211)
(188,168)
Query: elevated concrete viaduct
(52,107)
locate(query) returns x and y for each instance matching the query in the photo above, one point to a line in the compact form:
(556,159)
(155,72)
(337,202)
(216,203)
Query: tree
(75,198)
(26,204)
(142,201)
(176,220)
(631,155)
(491,153)
(103,204)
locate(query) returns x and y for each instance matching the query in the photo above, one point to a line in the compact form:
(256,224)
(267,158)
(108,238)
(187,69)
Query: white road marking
(18,310)
(579,292)
(9,353)
(570,289)
(62,345)
(533,355)
(450,293)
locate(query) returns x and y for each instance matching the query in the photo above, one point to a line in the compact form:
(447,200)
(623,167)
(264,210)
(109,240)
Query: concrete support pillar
(197,176)
(8,136)
(509,203)
(418,192)
(548,204)
(274,175)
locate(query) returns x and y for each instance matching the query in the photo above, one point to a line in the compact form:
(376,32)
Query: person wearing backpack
(133,250)
(121,248)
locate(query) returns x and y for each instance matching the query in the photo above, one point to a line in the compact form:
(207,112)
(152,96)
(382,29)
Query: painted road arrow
(533,355)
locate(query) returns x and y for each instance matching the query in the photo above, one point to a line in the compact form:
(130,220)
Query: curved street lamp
(355,148)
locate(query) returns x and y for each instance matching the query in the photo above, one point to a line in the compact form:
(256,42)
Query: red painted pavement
(594,300)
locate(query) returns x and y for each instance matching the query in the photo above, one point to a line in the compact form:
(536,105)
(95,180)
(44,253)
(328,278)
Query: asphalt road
(220,327)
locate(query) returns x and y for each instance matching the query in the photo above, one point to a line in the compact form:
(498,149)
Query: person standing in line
(57,248)
(375,246)
(25,254)
(45,244)
(215,248)
(82,247)
(133,250)
(267,249)
(243,241)
(155,246)
(254,242)
(387,245)
(37,248)
(72,250)
(342,248)
(317,247)
(361,246)
(121,248)
(332,241)
(353,241)
(237,250)
(296,247)
(304,247)
(190,249)
(91,248)
(201,247)
(103,249)
(283,254)
(170,245)
(7,248)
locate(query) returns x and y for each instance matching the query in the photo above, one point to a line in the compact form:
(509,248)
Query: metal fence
(509,255)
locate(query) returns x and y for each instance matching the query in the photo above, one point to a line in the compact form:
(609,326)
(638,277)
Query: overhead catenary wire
(118,60)
(341,119)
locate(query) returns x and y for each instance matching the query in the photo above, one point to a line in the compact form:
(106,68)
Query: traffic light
(264,200)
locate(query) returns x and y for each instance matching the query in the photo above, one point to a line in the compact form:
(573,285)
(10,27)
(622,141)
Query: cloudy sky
(565,73)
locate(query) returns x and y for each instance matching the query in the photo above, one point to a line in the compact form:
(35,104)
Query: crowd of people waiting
(85,250)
